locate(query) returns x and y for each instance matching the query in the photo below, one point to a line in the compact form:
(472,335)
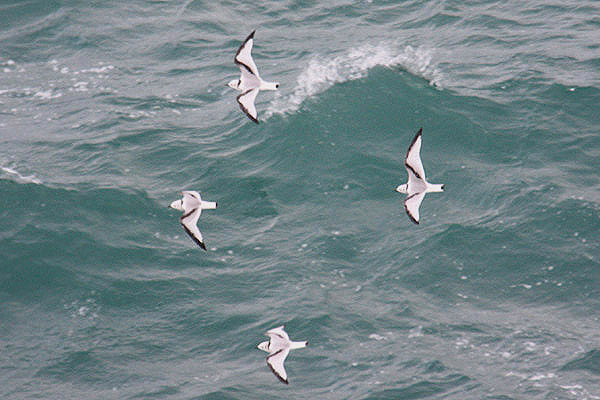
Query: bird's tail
(435,188)
(208,205)
(269,85)
(299,345)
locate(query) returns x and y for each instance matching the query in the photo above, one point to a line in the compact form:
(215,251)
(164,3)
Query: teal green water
(108,111)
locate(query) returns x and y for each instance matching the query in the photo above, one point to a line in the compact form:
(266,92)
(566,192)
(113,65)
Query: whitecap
(98,70)
(416,332)
(81,86)
(47,94)
(320,74)
(539,377)
(16,174)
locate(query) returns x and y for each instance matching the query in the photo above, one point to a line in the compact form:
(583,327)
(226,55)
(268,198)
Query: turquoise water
(108,111)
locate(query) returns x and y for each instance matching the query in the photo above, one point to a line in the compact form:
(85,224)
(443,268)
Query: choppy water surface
(108,111)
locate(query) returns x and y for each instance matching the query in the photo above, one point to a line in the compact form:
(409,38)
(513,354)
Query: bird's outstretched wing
(278,331)
(246,102)
(243,57)
(278,338)
(413,157)
(275,362)
(189,221)
(412,204)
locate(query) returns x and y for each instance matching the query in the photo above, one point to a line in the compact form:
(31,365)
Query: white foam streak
(18,176)
(47,94)
(319,75)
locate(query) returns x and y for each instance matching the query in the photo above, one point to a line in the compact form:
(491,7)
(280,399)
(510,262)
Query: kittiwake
(250,82)
(278,347)
(192,205)
(417,186)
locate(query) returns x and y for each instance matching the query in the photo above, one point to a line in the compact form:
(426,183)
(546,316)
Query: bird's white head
(177,204)
(402,188)
(234,84)
(264,346)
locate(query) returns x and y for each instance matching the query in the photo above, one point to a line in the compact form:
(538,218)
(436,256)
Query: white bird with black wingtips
(417,186)
(278,347)
(192,205)
(250,82)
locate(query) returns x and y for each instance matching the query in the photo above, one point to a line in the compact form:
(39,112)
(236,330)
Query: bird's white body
(417,186)
(244,85)
(278,347)
(250,82)
(192,205)
(429,188)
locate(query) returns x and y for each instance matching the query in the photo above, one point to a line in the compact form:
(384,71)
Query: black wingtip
(244,109)
(251,35)
(282,380)
(275,372)
(410,216)
(216,204)
(419,133)
(255,120)
(191,235)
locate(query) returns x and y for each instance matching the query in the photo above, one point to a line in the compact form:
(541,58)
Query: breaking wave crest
(320,74)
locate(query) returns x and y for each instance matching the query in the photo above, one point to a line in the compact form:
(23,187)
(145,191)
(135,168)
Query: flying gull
(278,347)
(417,187)
(250,82)
(192,205)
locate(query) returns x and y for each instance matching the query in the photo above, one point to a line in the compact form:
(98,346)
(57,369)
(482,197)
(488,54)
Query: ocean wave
(320,74)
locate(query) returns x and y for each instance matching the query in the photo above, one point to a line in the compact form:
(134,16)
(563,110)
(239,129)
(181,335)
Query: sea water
(108,110)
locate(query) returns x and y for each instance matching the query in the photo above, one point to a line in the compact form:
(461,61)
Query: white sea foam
(416,332)
(81,86)
(538,377)
(320,74)
(83,308)
(47,94)
(98,70)
(18,176)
